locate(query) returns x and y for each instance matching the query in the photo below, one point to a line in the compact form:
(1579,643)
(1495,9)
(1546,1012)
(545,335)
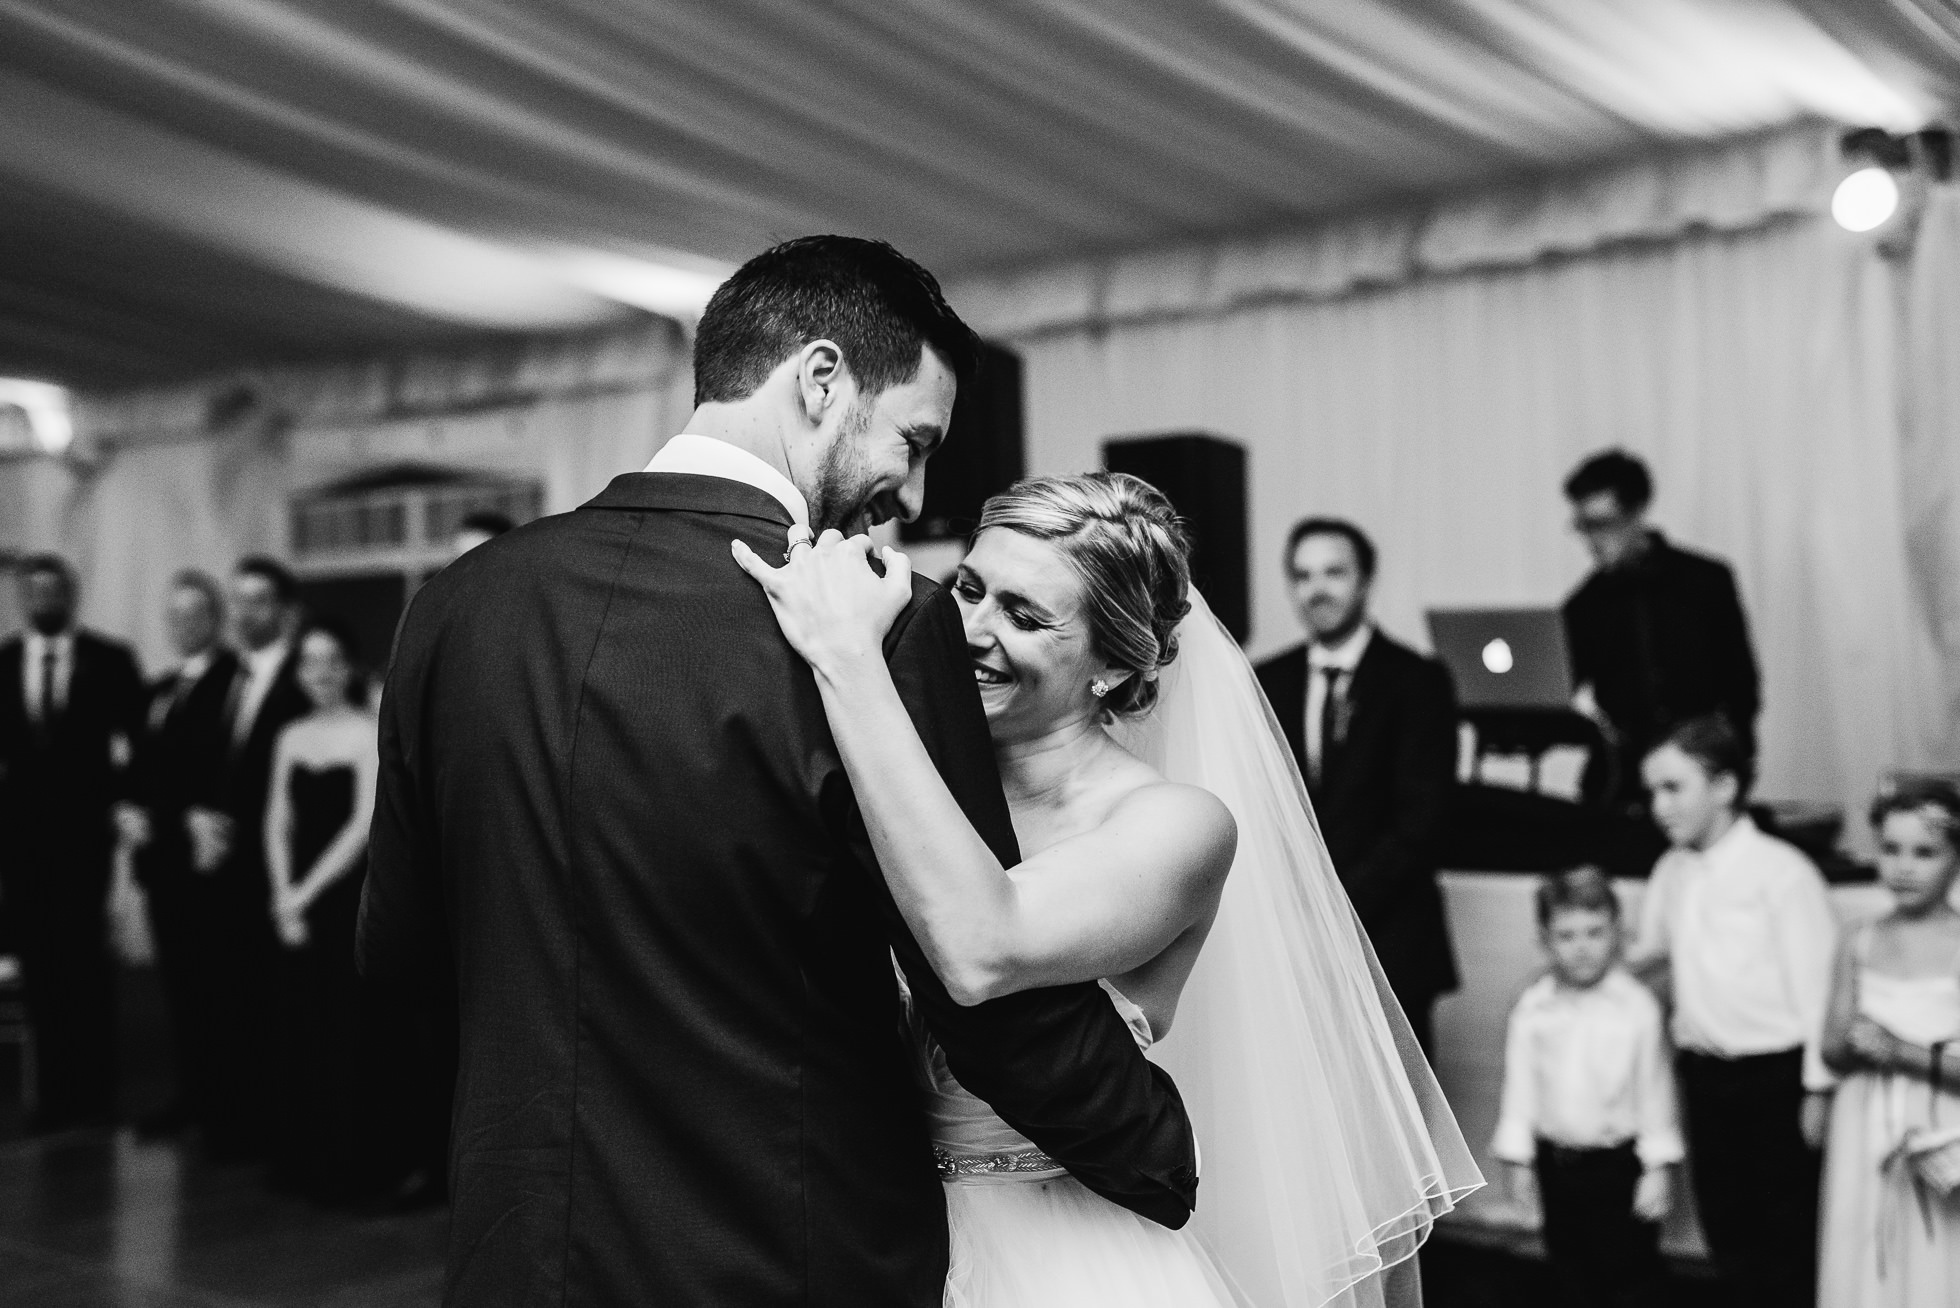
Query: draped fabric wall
(1768,375)
(1931,443)
(165,495)
(1432,374)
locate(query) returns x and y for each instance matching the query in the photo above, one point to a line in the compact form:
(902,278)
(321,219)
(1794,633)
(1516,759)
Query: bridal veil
(1328,1150)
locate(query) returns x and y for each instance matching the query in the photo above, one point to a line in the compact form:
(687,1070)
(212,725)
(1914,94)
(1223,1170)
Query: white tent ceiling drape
(1929,430)
(191,184)
(1737,186)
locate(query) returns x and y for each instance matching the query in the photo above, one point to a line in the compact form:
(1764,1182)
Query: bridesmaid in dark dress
(316,829)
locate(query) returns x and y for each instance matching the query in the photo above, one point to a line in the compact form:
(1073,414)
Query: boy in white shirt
(1588,1129)
(1741,925)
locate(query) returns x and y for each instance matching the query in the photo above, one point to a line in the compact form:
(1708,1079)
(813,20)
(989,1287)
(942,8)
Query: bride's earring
(1099,688)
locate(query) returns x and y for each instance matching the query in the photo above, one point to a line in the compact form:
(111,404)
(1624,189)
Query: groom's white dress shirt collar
(704,456)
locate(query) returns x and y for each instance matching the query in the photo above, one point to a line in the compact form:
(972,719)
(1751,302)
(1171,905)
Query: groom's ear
(820,376)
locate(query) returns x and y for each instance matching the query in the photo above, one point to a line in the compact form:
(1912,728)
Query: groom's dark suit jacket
(608,784)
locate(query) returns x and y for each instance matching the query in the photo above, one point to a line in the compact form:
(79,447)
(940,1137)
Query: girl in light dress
(1893,1032)
(1140,765)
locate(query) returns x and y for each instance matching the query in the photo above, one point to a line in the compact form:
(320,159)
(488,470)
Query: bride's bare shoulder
(1188,824)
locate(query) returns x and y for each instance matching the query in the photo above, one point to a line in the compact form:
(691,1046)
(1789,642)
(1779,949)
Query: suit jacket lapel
(13,693)
(1363,696)
(242,745)
(1290,703)
(81,673)
(1365,691)
(285,687)
(174,700)
(57,717)
(216,680)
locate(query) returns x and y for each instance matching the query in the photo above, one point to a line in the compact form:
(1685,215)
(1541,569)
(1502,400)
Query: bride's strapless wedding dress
(1328,1149)
(1026,1234)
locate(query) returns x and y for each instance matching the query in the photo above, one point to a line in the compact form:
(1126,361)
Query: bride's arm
(1096,905)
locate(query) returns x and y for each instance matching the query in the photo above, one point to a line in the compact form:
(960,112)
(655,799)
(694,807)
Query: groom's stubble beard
(842,495)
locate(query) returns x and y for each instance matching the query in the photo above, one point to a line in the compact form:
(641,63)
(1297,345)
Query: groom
(610,802)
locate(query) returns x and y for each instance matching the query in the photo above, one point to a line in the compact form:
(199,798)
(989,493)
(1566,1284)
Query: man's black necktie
(1332,721)
(50,709)
(167,705)
(235,705)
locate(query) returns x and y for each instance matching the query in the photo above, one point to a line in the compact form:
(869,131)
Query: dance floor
(98,1220)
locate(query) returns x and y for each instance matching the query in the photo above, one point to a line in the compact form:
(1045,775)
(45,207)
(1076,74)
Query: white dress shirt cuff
(1660,1149)
(1817,1078)
(1514,1143)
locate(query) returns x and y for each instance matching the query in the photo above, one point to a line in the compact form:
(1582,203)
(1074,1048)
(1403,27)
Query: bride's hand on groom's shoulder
(833,607)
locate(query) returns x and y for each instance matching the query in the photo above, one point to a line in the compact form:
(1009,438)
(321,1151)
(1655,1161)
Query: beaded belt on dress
(952,1166)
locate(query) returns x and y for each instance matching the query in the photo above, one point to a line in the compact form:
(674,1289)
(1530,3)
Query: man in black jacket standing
(183,740)
(70,705)
(227,830)
(609,793)
(1656,632)
(1372,724)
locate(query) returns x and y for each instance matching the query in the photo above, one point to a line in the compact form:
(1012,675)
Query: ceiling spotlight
(1865,200)
(46,407)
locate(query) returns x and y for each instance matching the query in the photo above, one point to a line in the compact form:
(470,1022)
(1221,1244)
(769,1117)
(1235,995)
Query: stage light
(1498,657)
(46,407)
(1865,200)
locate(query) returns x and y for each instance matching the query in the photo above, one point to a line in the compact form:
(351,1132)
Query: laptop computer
(1504,658)
(1891,779)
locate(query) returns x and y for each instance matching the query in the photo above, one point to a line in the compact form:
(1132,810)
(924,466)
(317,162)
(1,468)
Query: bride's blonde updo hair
(1133,555)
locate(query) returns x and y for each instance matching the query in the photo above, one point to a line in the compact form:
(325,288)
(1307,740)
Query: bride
(1168,852)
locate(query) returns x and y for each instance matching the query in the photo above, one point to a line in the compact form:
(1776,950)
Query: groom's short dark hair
(878,305)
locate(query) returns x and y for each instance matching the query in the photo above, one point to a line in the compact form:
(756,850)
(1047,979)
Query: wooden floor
(95,1219)
(98,1220)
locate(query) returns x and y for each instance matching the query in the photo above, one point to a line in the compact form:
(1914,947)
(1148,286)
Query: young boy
(1588,1119)
(1741,925)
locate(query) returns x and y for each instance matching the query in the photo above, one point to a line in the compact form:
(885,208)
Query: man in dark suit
(70,705)
(184,739)
(227,831)
(1657,632)
(1373,726)
(608,781)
